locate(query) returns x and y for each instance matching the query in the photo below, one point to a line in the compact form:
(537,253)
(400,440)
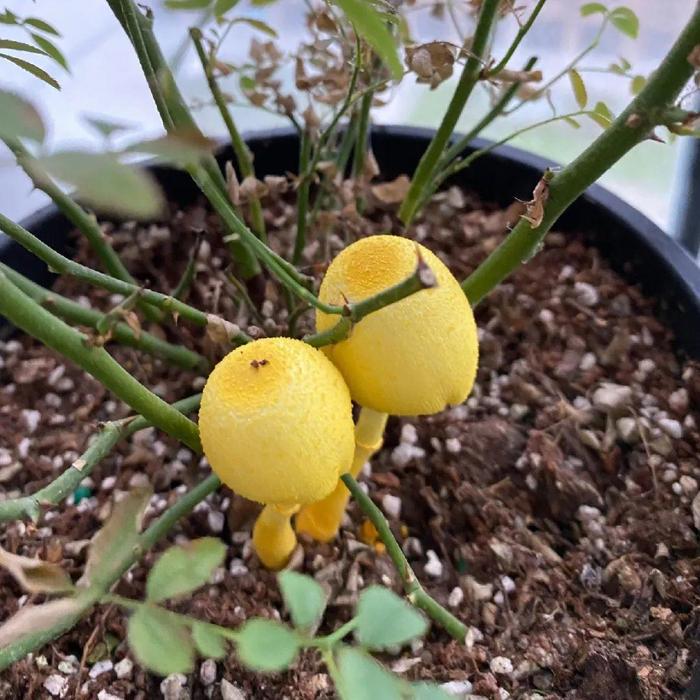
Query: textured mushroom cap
(410,358)
(276,422)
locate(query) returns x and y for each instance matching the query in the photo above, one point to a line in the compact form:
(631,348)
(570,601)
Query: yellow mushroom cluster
(276,416)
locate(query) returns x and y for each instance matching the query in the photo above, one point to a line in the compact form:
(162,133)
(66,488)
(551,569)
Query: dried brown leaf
(392,192)
(433,62)
(232,184)
(535,207)
(132,320)
(35,575)
(252,188)
(220,331)
(325,23)
(117,537)
(34,619)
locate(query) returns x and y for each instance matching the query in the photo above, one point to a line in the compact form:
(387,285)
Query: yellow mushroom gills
(414,357)
(276,426)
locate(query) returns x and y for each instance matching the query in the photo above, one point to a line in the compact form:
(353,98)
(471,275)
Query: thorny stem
(88,598)
(243,157)
(172,108)
(82,220)
(26,314)
(63,265)
(361,139)
(303,194)
(524,29)
(630,128)
(470,75)
(65,484)
(420,278)
(415,592)
(70,310)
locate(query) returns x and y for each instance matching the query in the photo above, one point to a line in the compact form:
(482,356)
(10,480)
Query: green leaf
(51,50)
(106,184)
(187,4)
(429,691)
(221,7)
(184,568)
(256,24)
(19,119)
(370,25)
(261,3)
(178,148)
(601,115)
(361,677)
(106,127)
(19,46)
(247,83)
(31,68)
(160,642)
(592,8)
(637,84)
(209,644)
(266,645)
(8,17)
(572,122)
(579,88)
(116,538)
(385,620)
(305,599)
(626,21)
(41,25)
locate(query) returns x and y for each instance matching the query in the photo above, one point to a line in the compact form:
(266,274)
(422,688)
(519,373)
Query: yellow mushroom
(276,426)
(410,358)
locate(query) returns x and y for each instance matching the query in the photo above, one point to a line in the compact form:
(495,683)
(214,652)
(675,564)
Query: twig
(75,313)
(470,75)
(26,314)
(306,174)
(524,29)
(61,487)
(630,128)
(90,597)
(243,157)
(63,265)
(415,592)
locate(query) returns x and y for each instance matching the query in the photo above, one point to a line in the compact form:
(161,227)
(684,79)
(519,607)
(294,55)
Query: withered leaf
(432,62)
(392,192)
(535,207)
(35,575)
(232,184)
(251,188)
(220,331)
(132,320)
(34,619)
(117,537)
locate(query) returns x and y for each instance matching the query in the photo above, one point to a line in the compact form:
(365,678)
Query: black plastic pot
(632,243)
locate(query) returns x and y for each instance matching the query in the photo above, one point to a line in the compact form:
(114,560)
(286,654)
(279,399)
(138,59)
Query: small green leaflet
(429,691)
(256,24)
(31,68)
(592,8)
(385,620)
(305,599)
(50,49)
(637,84)
(371,26)
(19,119)
(579,88)
(209,644)
(625,20)
(601,115)
(19,46)
(160,642)
(41,25)
(361,678)
(266,645)
(221,7)
(187,4)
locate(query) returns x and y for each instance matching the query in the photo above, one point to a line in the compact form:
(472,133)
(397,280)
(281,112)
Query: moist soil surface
(555,512)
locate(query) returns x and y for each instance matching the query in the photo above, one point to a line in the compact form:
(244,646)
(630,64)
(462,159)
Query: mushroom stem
(321,520)
(273,537)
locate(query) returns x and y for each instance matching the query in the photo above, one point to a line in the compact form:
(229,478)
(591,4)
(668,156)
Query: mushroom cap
(276,422)
(413,357)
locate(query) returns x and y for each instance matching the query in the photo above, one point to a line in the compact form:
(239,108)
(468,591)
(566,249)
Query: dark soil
(552,512)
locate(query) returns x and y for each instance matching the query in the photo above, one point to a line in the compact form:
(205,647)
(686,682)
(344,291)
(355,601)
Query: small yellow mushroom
(276,426)
(410,358)
(413,357)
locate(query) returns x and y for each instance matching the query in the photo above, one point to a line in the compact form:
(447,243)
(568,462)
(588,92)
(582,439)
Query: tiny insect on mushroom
(276,426)
(413,357)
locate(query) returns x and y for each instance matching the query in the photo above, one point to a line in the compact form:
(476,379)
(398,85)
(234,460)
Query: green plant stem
(243,156)
(470,75)
(420,278)
(303,194)
(461,144)
(82,220)
(62,486)
(89,597)
(361,139)
(61,264)
(415,592)
(524,29)
(173,111)
(121,332)
(26,314)
(330,640)
(629,129)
